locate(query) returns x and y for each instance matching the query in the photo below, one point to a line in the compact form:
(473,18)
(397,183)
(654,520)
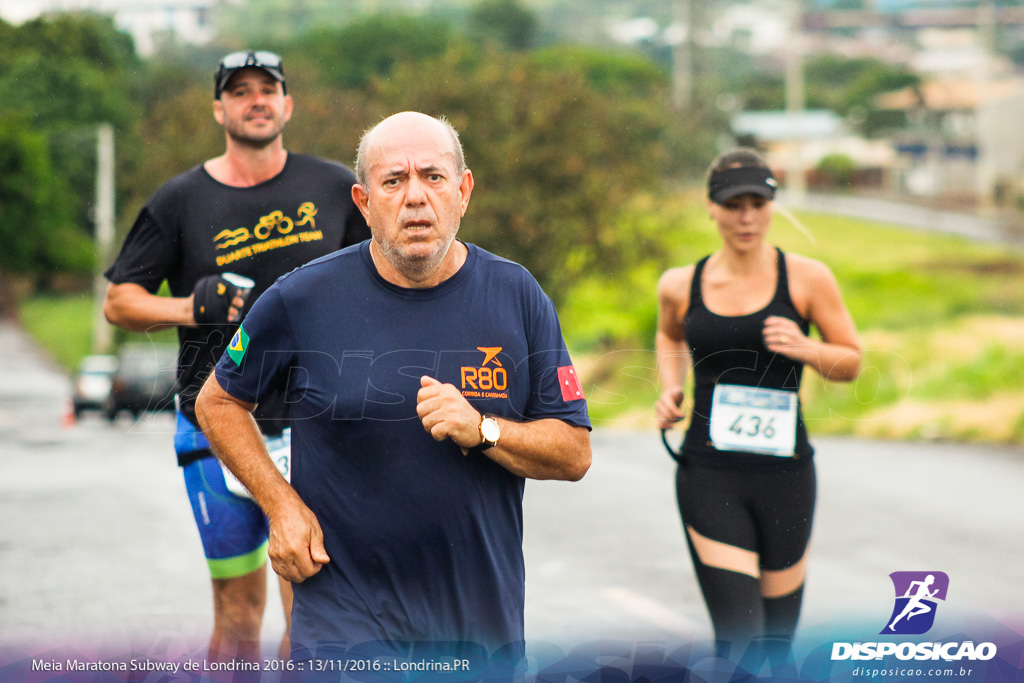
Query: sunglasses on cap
(260,59)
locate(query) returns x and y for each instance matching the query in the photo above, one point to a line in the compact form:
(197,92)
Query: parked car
(144,380)
(91,384)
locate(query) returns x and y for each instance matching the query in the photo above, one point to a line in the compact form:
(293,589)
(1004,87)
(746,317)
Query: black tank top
(731,350)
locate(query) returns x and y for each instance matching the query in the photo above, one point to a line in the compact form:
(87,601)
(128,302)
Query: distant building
(892,6)
(148,21)
(776,126)
(948,38)
(811,136)
(964,138)
(756,28)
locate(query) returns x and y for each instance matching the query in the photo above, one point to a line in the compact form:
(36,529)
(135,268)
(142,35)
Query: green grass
(941,321)
(898,279)
(995,369)
(910,294)
(63,326)
(892,278)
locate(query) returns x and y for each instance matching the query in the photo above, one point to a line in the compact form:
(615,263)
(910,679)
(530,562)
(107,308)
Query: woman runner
(745,482)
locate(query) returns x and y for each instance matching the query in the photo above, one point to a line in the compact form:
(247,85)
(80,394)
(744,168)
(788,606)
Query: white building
(759,28)
(809,136)
(148,21)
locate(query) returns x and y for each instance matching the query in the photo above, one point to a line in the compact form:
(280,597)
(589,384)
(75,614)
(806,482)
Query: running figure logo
(917,594)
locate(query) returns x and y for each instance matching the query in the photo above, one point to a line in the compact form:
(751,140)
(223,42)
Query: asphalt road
(995,227)
(98,549)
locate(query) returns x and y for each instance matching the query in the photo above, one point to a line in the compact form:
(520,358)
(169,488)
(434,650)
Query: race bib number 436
(753,420)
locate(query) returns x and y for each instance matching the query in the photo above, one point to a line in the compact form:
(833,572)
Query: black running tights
(765,511)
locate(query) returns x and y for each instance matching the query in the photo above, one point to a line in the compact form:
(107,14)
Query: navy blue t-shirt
(425,542)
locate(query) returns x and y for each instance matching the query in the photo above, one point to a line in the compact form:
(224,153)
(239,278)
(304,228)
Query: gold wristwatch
(490,432)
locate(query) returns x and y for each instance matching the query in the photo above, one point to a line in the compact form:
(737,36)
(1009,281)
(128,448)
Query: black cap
(732,182)
(236,61)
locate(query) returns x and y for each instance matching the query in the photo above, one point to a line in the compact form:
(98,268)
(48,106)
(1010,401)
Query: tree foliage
(368,48)
(508,23)
(70,69)
(840,83)
(847,86)
(279,21)
(614,72)
(558,139)
(555,159)
(36,233)
(59,77)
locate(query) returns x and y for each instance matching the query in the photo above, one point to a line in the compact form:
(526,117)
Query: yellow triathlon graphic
(307,211)
(273,220)
(231,237)
(274,223)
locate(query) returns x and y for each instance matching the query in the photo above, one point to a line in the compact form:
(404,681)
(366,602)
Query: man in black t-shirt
(220,234)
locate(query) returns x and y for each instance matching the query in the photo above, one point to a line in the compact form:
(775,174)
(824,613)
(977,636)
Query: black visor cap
(733,182)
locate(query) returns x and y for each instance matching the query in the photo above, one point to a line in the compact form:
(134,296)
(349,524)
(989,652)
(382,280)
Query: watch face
(490,430)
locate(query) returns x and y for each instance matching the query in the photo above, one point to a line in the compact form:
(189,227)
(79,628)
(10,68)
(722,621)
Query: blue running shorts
(232,527)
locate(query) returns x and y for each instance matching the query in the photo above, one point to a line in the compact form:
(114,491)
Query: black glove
(214,295)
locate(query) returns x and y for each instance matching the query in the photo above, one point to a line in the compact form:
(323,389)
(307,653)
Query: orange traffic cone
(68,418)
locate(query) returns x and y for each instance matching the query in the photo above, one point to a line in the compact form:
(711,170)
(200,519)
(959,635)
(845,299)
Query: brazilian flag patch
(239,343)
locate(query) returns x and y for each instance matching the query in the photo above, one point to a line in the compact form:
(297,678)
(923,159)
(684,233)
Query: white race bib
(280,449)
(753,420)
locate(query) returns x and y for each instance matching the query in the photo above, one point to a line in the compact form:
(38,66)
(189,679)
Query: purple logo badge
(917,595)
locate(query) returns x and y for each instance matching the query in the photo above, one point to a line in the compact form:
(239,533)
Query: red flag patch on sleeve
(572,390)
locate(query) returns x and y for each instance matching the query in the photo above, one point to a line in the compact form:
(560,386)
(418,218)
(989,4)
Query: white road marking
(647,609)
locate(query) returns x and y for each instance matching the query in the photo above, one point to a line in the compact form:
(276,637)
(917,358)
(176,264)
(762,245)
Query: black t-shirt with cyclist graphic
(195,226)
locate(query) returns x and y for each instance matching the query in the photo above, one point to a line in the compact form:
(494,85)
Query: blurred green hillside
(579,156)
(563,135)
(941,321)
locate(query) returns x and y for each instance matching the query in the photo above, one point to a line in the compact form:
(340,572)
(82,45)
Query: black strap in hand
(677,454)
(213,295)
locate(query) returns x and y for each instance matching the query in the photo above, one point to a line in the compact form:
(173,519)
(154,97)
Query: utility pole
(682,57)
(986,172)
(102,332)
(796,174)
